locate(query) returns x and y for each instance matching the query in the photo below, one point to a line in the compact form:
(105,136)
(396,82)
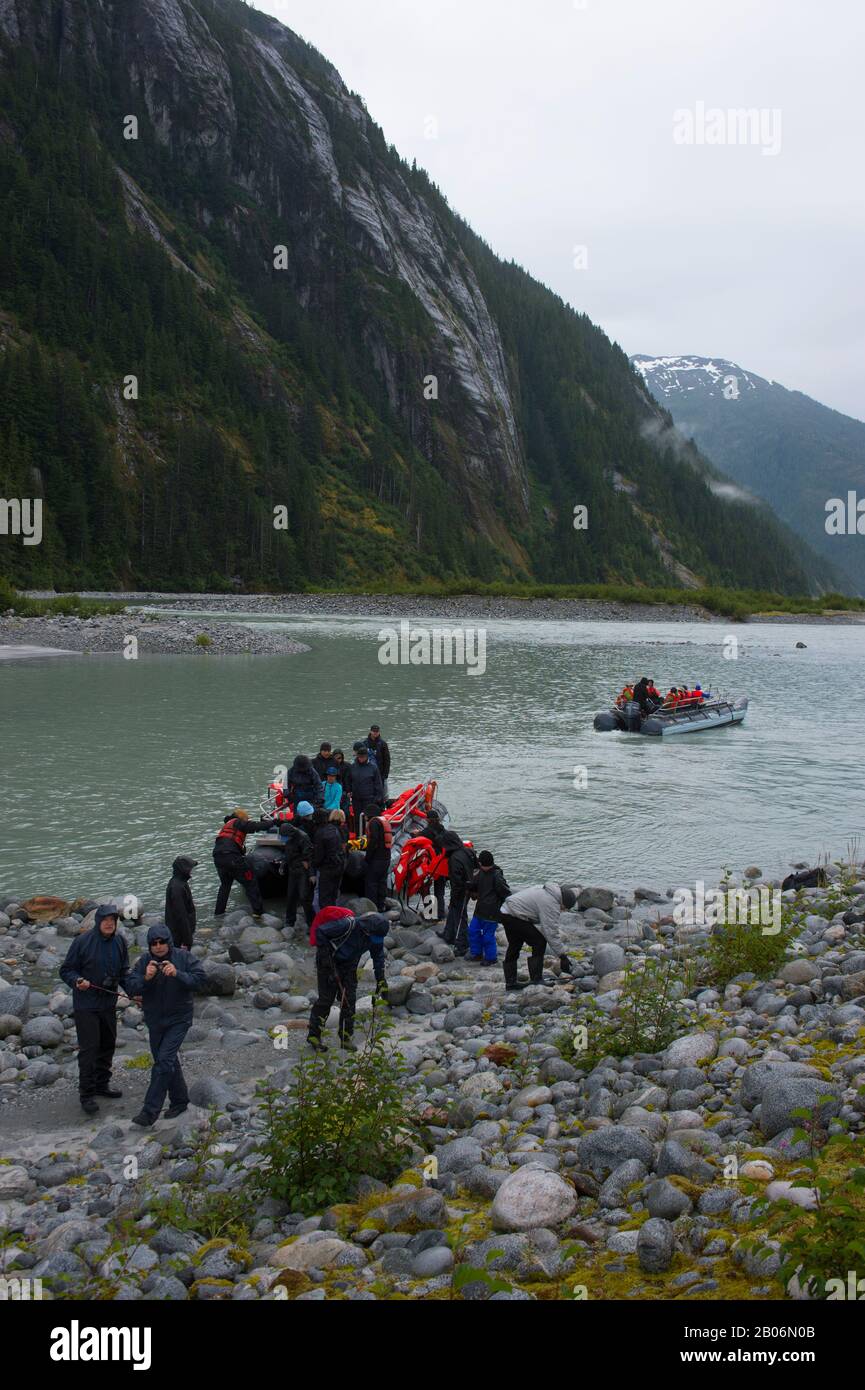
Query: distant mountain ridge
(781,445)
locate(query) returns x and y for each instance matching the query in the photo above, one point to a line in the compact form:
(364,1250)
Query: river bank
(624,1174)
(455,608)
(133,634)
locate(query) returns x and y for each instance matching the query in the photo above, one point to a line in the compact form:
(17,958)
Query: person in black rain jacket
(364,783)
(95,968)
(328,859)
(179,906)
(303,783)
(165,979)
(462,863)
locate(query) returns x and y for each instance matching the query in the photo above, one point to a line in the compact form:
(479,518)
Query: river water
(110,767)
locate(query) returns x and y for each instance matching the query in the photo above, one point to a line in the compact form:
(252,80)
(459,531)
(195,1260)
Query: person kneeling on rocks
(165,979)
(95,968)
(532,918)
(340,945)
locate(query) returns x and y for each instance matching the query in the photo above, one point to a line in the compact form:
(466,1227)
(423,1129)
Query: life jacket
(387,829)
(230,832)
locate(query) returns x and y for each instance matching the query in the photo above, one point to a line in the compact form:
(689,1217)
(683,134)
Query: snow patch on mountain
(679,376)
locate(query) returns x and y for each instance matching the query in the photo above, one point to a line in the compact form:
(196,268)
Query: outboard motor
(608,721)
(633,717)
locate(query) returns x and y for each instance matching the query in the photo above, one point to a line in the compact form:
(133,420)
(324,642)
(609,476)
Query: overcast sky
(556,129)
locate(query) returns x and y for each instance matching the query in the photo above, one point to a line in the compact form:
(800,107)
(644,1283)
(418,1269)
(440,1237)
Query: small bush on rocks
(648,1017)
(340,1118)
(197,1205)
(743,949)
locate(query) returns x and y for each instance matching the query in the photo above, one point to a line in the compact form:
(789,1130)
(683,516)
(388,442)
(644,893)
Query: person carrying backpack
(462,863)
(489,889)
(340,945)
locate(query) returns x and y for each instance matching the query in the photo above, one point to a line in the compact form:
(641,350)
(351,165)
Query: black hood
(451,841)
(183,866)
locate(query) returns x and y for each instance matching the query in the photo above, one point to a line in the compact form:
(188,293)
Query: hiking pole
(114,992)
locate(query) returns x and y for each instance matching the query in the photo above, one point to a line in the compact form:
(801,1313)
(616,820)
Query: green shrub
(203,641)
(648,1016)
(822,1245)
(340,1117)
(743,949)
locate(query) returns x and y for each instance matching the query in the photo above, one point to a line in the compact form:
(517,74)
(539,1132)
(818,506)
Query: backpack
(808,878)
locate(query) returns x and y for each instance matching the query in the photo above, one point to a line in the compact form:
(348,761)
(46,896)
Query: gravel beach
(165,636)
(633,1176)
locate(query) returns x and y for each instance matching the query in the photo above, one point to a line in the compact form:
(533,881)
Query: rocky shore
(154,635)
(603,1175)
(459,608)
(466,607)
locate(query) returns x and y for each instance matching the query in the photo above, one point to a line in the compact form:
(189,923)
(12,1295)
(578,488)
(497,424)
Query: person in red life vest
(340,945)
(672,698)
(655,697)
(379,843)
(231,861)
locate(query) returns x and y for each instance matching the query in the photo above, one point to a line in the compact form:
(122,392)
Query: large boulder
(759,1075)
(656,1246)
(398,991)
(799,972)
(599,898)
(459,1155)
(604,1150)
(608,958)
(15,1182)
(46,1031)
(421,1210)
(208,1092)
(532,1198)
(688,1051)
(16,1000)
(786,1094)
(466,1015)
(221,979)
(328,1253)
(854,985)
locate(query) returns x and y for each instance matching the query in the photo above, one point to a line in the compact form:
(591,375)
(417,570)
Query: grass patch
(728,603)
(63,606)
